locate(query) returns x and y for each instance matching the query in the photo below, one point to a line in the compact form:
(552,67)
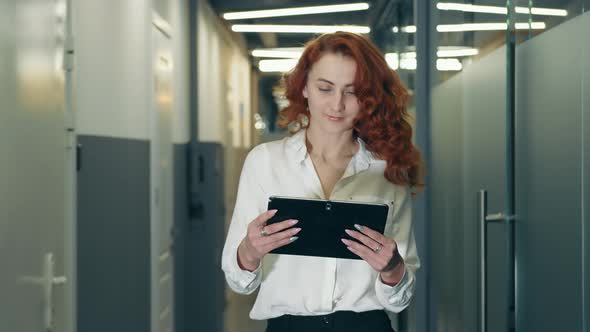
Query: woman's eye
(350,93)
(324,89)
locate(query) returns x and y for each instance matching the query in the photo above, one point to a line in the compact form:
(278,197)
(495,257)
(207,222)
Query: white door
(161,184)
(36,169)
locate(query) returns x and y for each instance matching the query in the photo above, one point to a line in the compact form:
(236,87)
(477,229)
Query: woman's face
(330,93)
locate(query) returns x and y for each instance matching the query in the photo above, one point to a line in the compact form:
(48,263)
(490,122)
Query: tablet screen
(323,222)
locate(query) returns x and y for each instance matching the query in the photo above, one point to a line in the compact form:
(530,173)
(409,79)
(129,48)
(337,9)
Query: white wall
(224,83)
(113,74)
(113,67)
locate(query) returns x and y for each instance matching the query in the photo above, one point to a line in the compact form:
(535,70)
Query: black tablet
(323,222)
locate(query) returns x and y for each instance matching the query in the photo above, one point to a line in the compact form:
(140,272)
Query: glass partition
(511,120)
(550,161)
(469,135)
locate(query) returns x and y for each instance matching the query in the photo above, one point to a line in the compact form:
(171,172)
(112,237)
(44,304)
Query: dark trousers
(340,321)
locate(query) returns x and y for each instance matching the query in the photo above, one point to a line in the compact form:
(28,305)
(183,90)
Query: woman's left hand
(378,251)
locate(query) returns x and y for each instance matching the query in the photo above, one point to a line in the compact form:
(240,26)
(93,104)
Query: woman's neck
(330,146)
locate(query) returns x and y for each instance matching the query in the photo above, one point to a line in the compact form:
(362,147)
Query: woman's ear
(305,92)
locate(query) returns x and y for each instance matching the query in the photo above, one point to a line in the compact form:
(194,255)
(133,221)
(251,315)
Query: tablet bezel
(312,244)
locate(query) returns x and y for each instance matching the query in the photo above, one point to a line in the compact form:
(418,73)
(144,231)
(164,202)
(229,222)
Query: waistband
(339,320)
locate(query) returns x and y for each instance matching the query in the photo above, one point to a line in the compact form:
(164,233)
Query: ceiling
(379,17)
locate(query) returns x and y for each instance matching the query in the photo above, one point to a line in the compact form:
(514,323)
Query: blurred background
(124,125)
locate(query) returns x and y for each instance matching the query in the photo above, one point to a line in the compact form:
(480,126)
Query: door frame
(158,25)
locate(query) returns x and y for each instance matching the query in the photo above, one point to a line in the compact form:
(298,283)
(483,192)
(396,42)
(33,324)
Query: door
(161,182)
(471,153)
(552,104)
(36,168)
(509,161)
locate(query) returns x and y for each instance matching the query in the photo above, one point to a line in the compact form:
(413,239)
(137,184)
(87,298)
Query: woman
(352,141)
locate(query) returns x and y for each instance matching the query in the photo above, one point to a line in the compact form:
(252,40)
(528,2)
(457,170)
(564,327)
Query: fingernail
(359,227)
(293,238)
(297,230)
(348,231)
(294,221)
(272,212)
(345,241)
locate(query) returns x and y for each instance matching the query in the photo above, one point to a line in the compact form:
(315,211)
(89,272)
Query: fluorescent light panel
(449,64)
(293,53)
(487,26)
(409,29)
(499,10)
(299,28)
(450,53)
(296,11)
(444,52)
(409,63)
(282,65)
(406,61)
(477,27)
(471,8)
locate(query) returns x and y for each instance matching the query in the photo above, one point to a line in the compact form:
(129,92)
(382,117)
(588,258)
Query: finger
(359,247)
(375,260)
(363,238)
(374,234)
(365,255)
(276,237)
(264,217)
(277,244)
(279,226)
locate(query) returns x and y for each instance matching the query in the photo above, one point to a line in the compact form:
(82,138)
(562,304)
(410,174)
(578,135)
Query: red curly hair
(383,120)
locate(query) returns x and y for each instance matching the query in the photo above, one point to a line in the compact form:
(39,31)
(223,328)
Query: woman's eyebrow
(329,82)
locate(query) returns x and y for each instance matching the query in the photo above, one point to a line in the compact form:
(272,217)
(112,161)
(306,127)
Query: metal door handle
(47,281)
(483,219)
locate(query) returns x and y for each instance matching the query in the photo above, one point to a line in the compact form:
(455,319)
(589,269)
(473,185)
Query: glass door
(37,276)
(509,187)
(471,167)
(551,162)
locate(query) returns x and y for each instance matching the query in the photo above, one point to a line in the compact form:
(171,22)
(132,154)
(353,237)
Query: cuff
(391,290)
(243,278)
(396,298)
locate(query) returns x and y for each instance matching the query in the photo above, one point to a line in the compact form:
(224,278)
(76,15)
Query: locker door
(36,170)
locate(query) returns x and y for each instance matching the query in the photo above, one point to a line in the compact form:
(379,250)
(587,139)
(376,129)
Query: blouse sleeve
(250,203)
(397,298)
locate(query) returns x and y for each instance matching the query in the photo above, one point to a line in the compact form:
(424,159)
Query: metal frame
(424,13)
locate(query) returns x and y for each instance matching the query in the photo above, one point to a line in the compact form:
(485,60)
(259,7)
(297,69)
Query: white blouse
(303,285)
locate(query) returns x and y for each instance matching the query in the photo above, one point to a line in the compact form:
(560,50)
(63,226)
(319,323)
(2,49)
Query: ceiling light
(448,65)
(296,11)
(486,26)
(478,27)
(407,61)
(294,52)
(409,29)
(299,28)
(471,8)
(542,11)
(446,53)
(533,26)
(499,10)
(282,65)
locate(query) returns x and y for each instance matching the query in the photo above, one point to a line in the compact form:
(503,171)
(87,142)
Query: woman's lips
(334,118)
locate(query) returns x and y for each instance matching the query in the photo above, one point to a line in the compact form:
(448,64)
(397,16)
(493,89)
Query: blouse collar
(362,158)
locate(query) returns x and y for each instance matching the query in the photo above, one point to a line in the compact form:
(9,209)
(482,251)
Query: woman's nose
(338,102)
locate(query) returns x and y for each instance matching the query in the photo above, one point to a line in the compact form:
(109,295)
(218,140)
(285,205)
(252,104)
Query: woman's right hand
(261,239)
